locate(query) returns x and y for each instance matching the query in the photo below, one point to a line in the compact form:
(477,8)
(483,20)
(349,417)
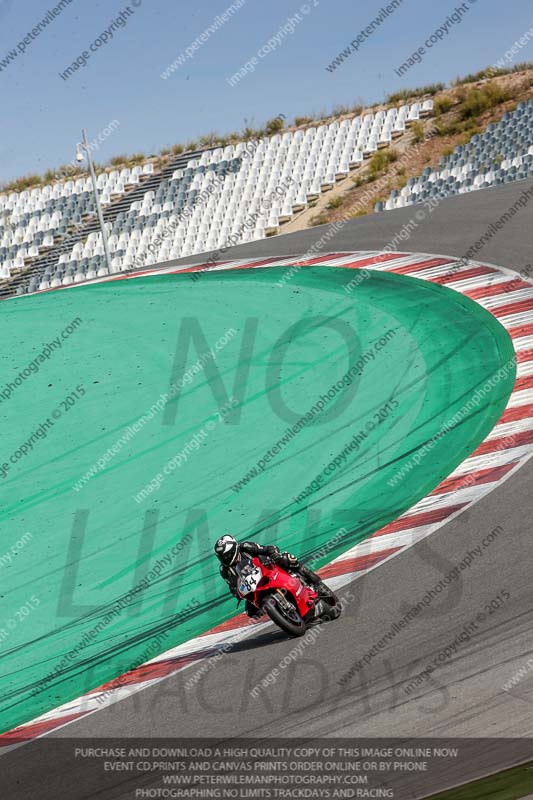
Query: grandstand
(501,154)
(201,201)
(209,199)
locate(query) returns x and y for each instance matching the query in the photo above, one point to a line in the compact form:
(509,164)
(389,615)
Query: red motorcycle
(287,600)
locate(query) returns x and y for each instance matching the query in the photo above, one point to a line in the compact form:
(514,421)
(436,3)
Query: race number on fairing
(249,578)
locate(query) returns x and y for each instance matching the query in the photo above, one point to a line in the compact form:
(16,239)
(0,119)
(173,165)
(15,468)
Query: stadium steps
(19,282)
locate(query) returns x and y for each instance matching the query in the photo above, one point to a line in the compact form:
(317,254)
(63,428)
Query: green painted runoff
(307,413)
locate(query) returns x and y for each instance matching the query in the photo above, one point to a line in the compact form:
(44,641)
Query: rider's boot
(327,606)
(326,611)
(312,578)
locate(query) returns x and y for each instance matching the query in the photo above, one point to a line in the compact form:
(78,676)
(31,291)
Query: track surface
(465,697)
(405,395)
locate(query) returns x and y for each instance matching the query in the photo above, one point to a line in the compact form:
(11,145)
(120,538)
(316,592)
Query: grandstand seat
(238,178)
(498,155)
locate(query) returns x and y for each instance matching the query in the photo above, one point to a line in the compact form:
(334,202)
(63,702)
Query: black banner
(149,769)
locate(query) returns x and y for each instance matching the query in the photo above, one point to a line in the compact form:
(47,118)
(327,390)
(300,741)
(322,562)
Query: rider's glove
(290,560)
(273,552)
(287,561)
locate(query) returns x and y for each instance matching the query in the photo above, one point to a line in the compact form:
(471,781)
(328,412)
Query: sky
(120,96)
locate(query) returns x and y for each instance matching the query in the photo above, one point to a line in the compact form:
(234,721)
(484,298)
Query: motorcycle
(289,602)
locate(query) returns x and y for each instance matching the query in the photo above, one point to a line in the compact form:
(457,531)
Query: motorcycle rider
(229,552)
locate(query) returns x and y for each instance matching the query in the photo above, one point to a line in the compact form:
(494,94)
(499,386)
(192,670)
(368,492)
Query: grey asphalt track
(464,697)
(454,226)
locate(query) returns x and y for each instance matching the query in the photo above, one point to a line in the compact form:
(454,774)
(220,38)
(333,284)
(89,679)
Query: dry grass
(461,111)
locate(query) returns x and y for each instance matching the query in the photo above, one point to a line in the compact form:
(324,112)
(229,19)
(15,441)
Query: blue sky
(42,114)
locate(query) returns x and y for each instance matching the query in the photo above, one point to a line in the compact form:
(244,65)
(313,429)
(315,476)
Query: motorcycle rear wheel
(291,626)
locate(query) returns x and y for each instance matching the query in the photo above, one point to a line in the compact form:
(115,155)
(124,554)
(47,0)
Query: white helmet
(227,549)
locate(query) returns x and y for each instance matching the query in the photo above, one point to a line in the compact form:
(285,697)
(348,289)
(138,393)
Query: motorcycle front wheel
(289,621)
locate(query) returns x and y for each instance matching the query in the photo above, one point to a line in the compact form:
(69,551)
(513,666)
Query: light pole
(79,158)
